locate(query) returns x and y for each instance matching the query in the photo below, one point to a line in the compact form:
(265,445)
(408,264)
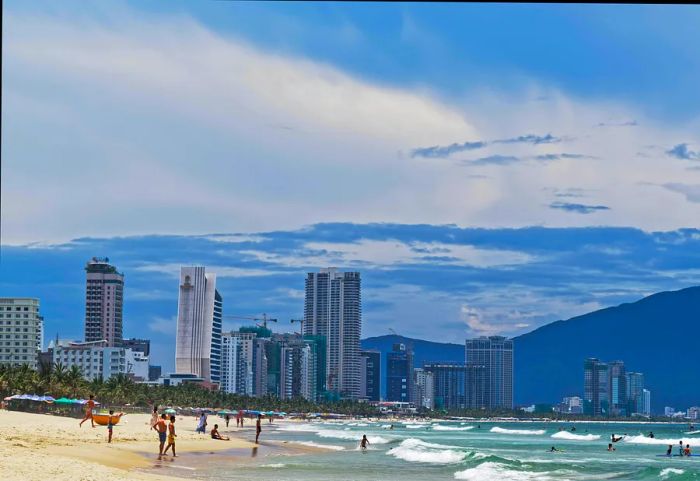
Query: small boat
(103,419)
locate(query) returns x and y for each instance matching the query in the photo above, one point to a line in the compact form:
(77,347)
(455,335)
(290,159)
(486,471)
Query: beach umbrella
(170,411)
(63,400)
(47,399)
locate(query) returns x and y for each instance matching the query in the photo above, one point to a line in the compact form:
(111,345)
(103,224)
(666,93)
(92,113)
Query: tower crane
(264,319)
(301,324)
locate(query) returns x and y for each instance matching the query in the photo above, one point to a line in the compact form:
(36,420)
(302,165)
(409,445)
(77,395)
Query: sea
(466,450)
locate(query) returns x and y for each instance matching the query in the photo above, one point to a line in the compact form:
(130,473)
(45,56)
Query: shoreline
(40,446)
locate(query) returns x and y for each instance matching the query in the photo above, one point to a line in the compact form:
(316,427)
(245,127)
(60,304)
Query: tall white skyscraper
(104,299)
(333,309)
(237,374)
(199,315)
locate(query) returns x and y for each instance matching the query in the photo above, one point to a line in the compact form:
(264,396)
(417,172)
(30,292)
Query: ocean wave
(530,432)
(641,439)
(337,434)
(302,428)
(273,465)
(575,437)
(418,451)
(665,473)
(452,428)
(415,426)
(312,444)
(491,470)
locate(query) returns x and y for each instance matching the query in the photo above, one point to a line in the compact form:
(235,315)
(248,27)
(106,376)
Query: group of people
(682,451)
(165,431)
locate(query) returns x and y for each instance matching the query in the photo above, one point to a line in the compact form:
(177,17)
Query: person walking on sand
(162,429)
(258,428)
(202,426)
(154,416)
(171,437)
(364,442)
(227,418)
(89,406)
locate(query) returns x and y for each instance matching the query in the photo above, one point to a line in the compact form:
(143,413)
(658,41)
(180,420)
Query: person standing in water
(364,442)
(258,428)
(680,447)
(669,451)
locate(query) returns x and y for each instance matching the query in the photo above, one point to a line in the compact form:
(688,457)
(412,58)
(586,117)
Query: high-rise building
(617,387)
(646,402)
(634,391)
(298,370)
(104,300)
(495,354)
(399,374)
(199,315)
(449,385)
(23,330)
(424,389)
(332,309)
(596,397)
(370,374)
(237,375)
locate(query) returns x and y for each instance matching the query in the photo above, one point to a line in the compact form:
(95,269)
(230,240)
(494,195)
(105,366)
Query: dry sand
(45,447)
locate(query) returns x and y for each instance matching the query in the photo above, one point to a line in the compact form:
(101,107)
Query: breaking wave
(312,444)
(531,432)
(641,439)
(575,437)
(452,428)
(418,451)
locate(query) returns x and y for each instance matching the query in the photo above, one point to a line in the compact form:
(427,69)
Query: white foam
(452,428)
(693,432)
(273,465)
(305,428)
(575,437)
(312,444)
(665,473)
(417,451)
(415,426)
(490,470)
(641,439)
(531,432)
(337,434)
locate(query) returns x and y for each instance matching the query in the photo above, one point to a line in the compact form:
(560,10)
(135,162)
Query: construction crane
(393,332)
(264,319)
(301,324)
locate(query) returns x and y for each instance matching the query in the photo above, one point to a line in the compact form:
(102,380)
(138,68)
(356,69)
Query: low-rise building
(95,360)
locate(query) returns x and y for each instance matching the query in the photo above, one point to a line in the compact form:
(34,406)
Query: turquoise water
(454,450)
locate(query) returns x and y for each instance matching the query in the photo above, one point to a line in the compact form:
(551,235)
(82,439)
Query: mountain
(658,336)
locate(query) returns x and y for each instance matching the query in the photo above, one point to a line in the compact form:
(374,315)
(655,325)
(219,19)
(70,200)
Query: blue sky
(561,143)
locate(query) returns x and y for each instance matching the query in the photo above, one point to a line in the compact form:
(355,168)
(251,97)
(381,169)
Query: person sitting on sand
(216,435)
(258,428)
(610,447)
(171,436)
(669,450)
(364,442)
(162,429)
(89,406)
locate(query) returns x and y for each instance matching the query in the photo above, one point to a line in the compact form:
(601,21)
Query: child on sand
(171,436)
(89,406)
(110,425)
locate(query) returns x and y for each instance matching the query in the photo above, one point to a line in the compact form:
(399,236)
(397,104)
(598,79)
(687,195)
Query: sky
(487,167)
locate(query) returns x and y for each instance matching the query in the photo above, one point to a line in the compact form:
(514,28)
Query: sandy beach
(43,447)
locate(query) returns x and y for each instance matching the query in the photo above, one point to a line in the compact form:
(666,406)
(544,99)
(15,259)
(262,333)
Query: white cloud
(173,270)
(150,124)
(162,325)
(389,253)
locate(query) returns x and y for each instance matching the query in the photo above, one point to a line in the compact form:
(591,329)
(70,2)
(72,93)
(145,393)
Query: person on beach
(686,451)
(240,413)
(227,418)
(680,447)
(89,406)
(171,437)
(216,435)
(162,429)
(110,425)
(202,426)
(154,416)
(364,442)
(258,428)
(669,451)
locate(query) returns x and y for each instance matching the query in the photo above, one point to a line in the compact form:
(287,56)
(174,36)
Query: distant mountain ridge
(658,335)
